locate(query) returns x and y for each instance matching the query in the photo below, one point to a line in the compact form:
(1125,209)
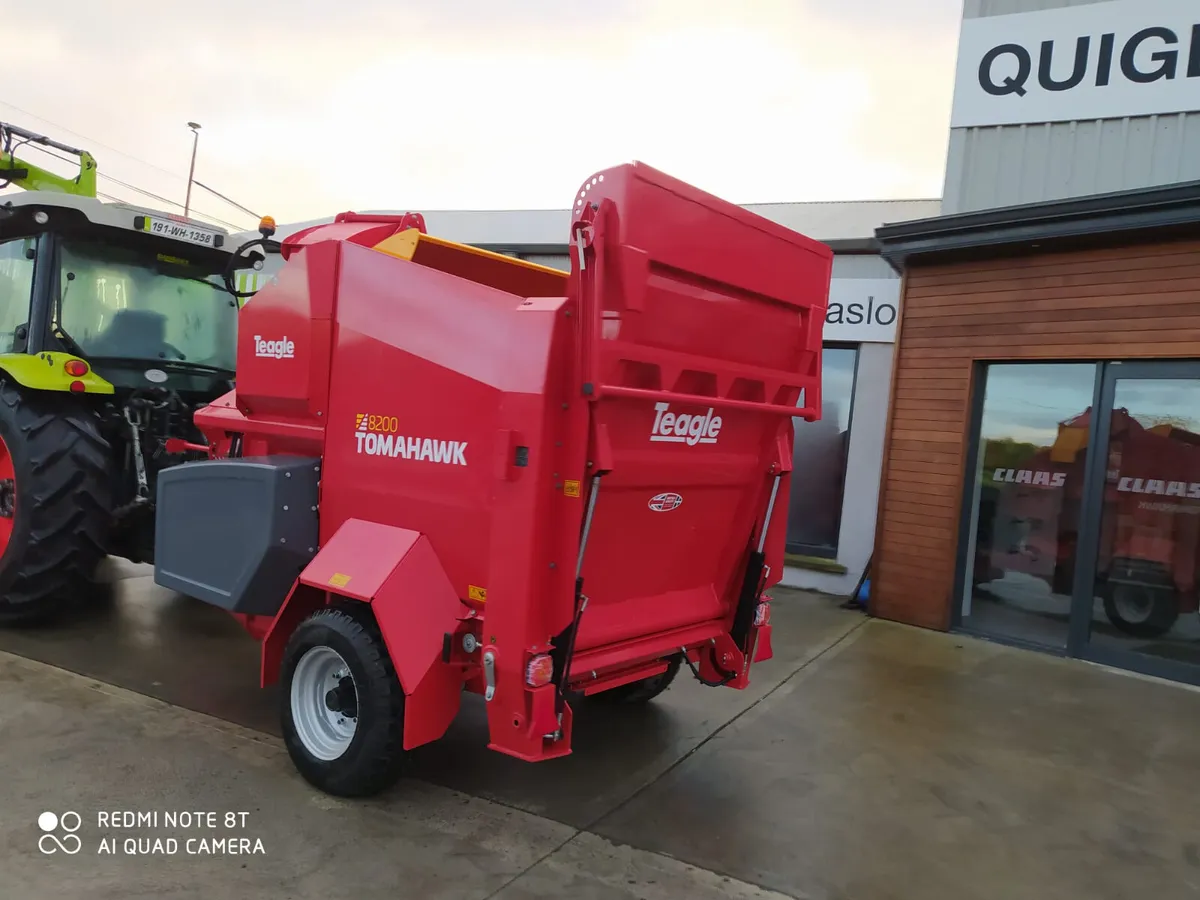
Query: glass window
(1148,562)
(16,287)
(1025,500)
(819,460)
(126,304)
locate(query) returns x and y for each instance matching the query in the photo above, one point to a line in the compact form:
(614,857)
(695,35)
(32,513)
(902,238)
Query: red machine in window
(446,469)
(1149,550)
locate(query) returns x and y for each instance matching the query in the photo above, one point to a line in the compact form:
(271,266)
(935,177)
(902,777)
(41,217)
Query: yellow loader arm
(22,174)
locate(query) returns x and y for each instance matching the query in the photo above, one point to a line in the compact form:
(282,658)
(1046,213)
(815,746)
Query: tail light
(76,368)
(539,670)
(762,613)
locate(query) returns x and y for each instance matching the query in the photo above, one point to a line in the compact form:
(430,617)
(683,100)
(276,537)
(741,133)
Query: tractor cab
(116,324)
(92,279)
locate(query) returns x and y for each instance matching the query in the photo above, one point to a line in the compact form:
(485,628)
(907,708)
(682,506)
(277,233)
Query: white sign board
(1097,61)
(863,310)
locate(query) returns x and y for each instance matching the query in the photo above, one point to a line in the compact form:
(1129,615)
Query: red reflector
(539,671)
(762,615)
(76,368)
(78,387)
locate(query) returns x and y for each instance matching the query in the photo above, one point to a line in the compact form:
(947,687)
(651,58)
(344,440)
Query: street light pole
(187,203)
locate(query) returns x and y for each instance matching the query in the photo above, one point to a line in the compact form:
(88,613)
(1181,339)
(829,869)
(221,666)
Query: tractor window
(122,303)
(16,287)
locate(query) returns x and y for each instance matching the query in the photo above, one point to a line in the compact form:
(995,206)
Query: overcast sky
(310,108)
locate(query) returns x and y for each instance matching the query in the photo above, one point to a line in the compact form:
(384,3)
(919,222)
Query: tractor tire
(55,503)
(639,692)
(342,707)
(1141,610)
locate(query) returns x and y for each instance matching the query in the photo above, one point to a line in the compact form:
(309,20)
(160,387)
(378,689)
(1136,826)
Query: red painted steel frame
(464,431)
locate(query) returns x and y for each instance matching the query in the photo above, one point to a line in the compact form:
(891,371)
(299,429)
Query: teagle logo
(280,349)
(680,428)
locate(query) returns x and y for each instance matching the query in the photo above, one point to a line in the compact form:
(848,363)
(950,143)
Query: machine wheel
(1141,610)
(342,704)
(637,692)
(55,503)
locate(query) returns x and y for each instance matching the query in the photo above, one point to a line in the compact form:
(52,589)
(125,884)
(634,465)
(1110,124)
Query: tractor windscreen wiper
(176,365)
(167,365)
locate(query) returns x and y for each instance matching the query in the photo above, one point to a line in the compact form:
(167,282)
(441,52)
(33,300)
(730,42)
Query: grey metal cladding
(1003,165)
(1006,165)
(977,9)
(237,533)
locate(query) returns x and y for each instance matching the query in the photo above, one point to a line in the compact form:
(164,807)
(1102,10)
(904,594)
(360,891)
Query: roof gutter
(1121,216)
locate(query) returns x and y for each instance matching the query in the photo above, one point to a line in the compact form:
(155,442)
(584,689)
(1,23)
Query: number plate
(179,231)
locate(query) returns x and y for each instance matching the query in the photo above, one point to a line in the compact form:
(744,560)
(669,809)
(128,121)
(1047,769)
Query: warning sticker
(476,593)
(337,579)
(571,488)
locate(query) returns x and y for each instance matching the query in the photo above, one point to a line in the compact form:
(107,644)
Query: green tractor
(116,324)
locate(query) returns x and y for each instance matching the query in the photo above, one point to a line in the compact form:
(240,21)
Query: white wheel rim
(325,733)
(1134,604)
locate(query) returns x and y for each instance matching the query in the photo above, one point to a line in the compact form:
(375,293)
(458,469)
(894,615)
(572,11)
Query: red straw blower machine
(447,470)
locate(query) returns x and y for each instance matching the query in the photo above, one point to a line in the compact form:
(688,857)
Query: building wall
(864,456)
(1004,165)
(546,230)
(862,265)
(860,500)
(554,262)
(977,9)
(1123,303)
(845,265)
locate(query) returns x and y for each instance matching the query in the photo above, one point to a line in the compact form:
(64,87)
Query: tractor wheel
(342,704)
(55,503)
(1141,610)
(637,692)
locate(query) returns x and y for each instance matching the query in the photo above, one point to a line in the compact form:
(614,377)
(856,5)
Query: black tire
(374,759)
(1156,608)
(63,489)
(638,692)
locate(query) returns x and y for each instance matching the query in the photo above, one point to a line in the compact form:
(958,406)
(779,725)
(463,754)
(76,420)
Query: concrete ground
(868,761)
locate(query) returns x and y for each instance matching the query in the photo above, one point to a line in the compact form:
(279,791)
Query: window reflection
(1025,501)
(819,460)
(1146,567)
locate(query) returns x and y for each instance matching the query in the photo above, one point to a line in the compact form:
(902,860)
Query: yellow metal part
(506,273)
(1071,441)
(45,372)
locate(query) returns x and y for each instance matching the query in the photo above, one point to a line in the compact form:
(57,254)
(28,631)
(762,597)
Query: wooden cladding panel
(1117,303)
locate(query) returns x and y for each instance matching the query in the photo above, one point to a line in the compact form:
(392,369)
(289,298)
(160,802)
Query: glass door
(1136,598)
(1021,514)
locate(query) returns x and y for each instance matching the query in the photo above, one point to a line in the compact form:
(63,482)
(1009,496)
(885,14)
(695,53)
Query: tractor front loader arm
(24,174)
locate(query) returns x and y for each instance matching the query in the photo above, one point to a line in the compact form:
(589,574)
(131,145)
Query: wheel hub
(342,699)
(1133,603)
(324,703)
